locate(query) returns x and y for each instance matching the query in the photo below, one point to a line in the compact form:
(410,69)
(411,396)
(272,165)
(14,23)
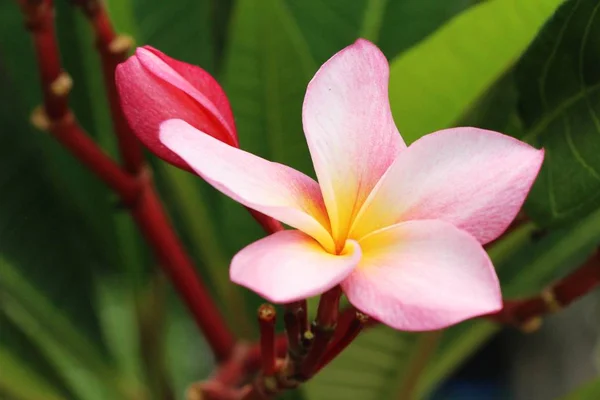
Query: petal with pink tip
(349,129)
(154,88)
(270,188)
(423,275)
(289,265)
(474,178)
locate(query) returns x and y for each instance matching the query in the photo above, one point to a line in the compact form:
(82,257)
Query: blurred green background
(85,313)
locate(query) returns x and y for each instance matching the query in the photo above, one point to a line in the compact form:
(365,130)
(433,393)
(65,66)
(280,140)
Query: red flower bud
(155,88)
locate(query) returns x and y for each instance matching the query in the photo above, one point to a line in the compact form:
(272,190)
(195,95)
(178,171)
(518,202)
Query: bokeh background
(85,312)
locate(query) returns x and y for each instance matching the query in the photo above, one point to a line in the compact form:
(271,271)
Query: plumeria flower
(399,228)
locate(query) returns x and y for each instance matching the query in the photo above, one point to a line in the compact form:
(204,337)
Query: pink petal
(349,128)
(270,188)
(474,178)
(154,88)
(289,265)
(423,275)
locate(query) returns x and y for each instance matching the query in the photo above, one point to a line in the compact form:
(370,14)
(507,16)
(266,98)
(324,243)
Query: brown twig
(135,189)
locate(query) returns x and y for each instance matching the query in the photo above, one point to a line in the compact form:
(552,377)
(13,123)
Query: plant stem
(266,323)
(135,189)
(113,50)
(526,313)
(323,327)
(252,362)
(347,334)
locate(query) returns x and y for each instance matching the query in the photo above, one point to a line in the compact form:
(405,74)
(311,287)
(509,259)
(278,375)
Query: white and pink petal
(270,188)
(349,129)
(290,265)
(423,275)
(473,178)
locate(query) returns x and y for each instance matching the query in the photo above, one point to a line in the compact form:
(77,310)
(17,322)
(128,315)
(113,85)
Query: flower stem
(340,341)
(323,328)
(113,50)
(527,313)
(266,322)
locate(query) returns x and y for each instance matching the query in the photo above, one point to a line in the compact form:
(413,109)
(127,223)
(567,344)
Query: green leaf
(589,391)
(403,24)
(181,28)
(21,355)
(496,109)
(559,100)
(435,83)
(328,26)
(75,356)
(18,381)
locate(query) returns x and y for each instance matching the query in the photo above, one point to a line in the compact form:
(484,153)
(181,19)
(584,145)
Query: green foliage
(558,82)
(433,84)
(83,314)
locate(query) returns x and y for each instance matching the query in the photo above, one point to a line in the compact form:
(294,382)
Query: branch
(527,313)
(135,190)
(113,50)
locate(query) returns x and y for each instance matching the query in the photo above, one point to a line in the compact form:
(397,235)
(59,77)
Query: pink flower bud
(155,88)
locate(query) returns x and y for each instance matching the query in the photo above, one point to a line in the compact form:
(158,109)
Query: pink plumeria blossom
(400,229)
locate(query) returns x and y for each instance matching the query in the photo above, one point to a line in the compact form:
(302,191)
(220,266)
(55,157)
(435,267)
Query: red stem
(573,286)
(72,137)
(325,323)
(253,359)
(39,20)
(344,338)
(156,229)
(266,323)
(136,191)
(113,50)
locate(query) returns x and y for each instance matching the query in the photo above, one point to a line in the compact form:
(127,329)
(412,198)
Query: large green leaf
(433,84)
(558,80)
(395,25)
